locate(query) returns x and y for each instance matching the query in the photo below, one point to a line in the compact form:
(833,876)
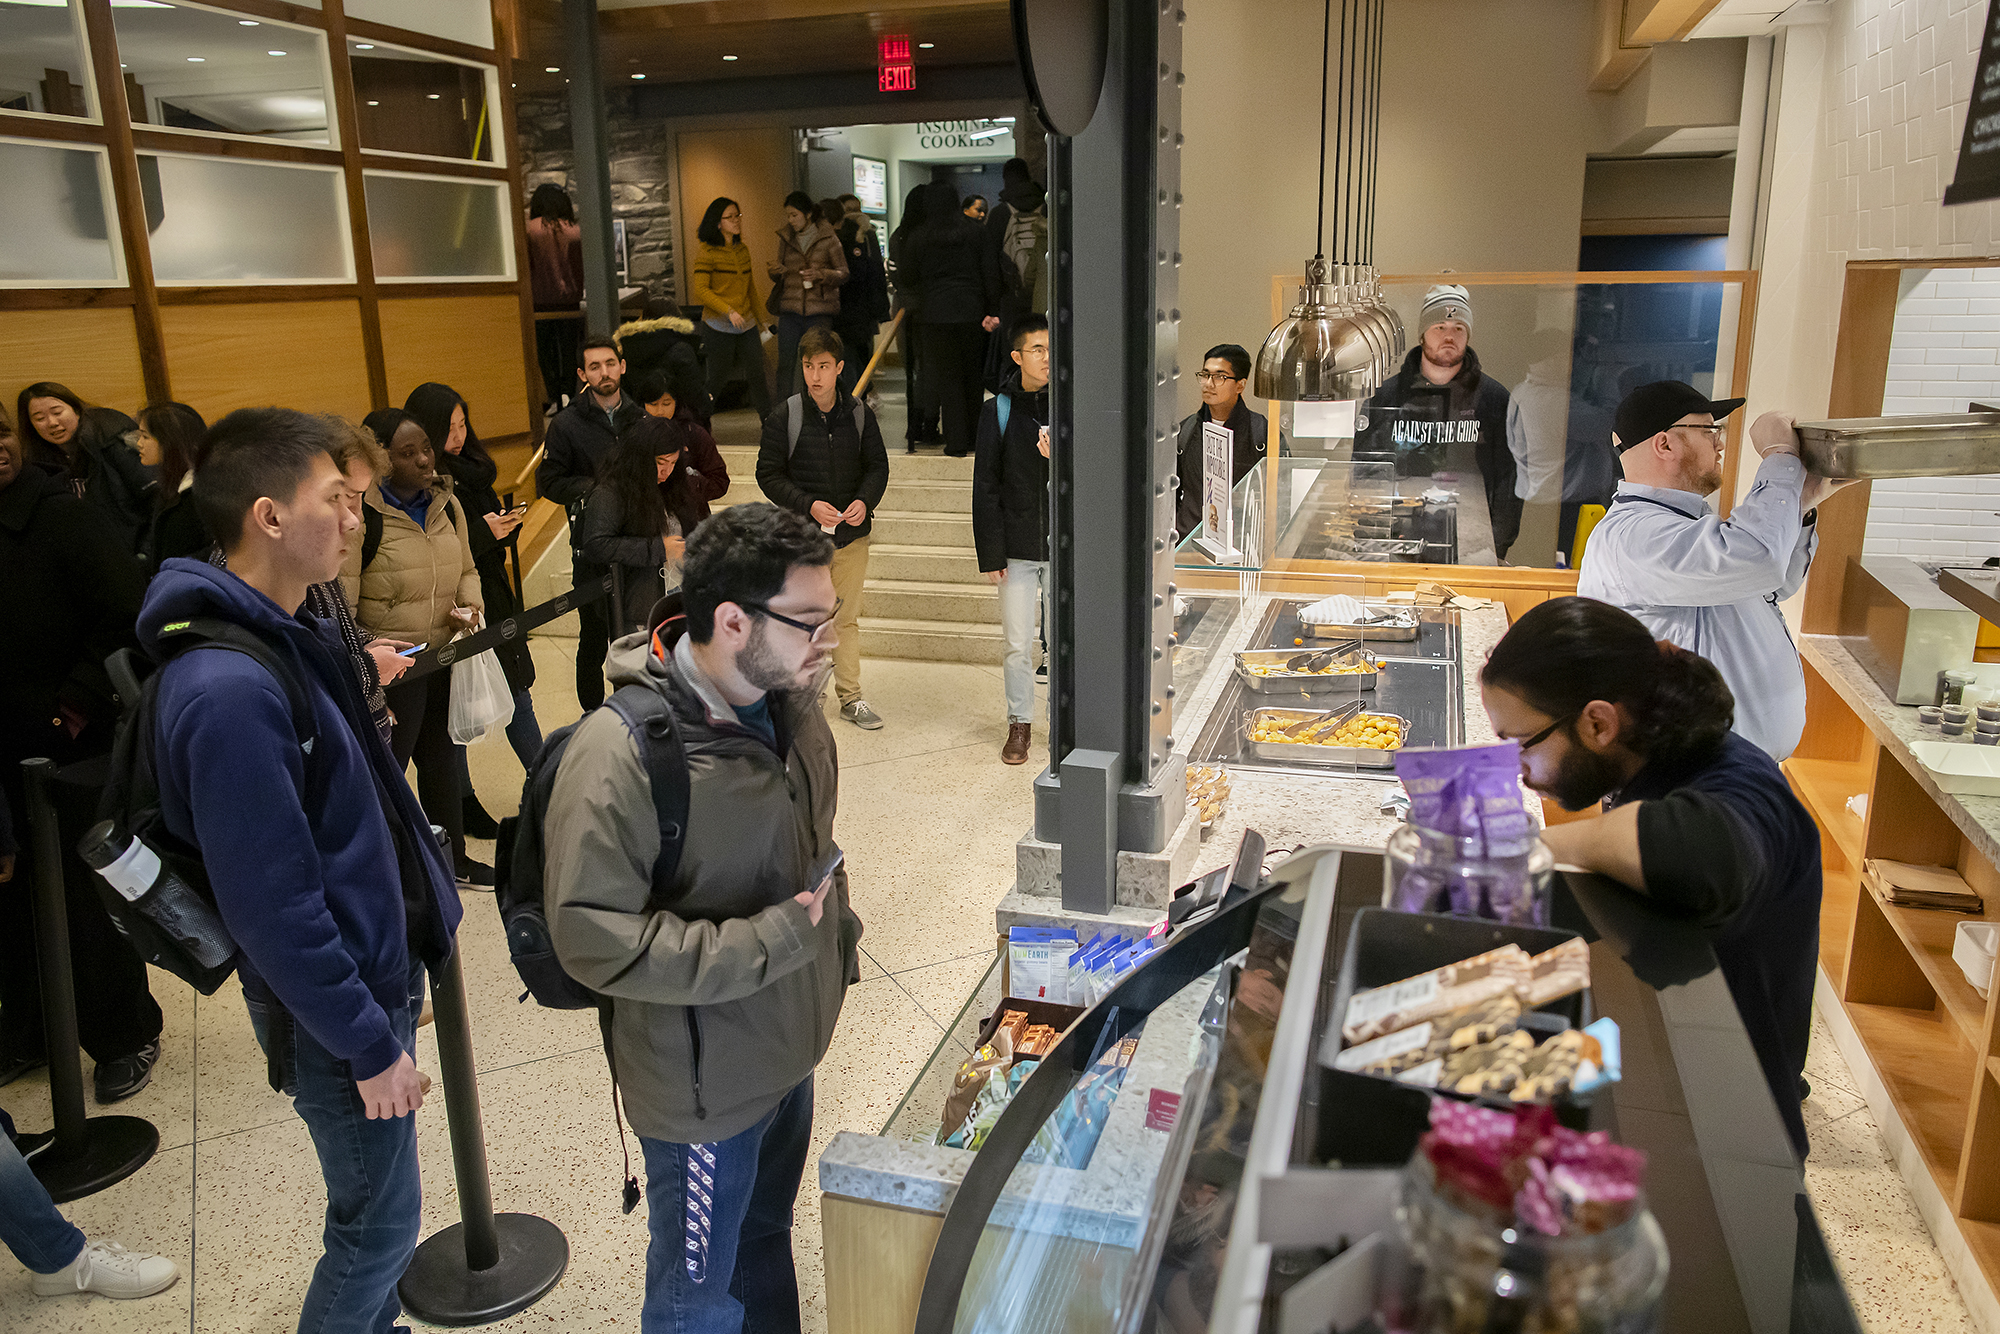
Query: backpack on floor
(520,863)
(132,791)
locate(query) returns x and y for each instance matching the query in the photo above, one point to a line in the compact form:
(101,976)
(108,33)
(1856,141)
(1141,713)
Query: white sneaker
(109,1270)
(861,715)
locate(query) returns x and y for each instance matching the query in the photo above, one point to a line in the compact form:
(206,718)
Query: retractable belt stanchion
(85,1153)
(484,1267)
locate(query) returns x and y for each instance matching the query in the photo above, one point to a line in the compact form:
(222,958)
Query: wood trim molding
(130,200)
(247,295)
(524,284)
(148,138)
(414,41)
(272,9)
(1739,380)
(425,166)
(63,298)
(391,291)
(349,121)
(1951,262)
(61,129)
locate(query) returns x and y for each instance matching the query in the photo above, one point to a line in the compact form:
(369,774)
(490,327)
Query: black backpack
(520,887)
(132,792)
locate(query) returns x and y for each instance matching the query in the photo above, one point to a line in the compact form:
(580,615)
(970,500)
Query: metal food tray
(1293,683)
(1304,752)
(1388,632)
(1950,445)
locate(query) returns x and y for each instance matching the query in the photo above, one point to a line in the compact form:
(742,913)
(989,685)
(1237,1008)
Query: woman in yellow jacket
(410,575)
(733,317)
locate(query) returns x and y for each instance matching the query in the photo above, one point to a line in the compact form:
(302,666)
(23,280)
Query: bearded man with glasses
(1709,584)
(727,974)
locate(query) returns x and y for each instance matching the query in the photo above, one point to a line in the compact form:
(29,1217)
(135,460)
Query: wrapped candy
(1522,1165)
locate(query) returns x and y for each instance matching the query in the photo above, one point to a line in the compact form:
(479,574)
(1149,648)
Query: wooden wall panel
(290,354)
(93,350)
(472,343)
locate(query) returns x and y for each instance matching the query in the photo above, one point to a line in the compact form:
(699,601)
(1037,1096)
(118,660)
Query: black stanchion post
(484,1267)
(88,1153)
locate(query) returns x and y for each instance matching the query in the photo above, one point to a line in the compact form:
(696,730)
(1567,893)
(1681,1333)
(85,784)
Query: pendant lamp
(1342,339)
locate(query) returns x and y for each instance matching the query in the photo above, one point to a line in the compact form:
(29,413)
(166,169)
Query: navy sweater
(1723,841)
(299,850)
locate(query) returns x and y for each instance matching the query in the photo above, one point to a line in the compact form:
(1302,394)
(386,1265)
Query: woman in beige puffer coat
(419,584)
(812,265)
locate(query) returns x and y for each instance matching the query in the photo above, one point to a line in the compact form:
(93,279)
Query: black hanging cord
(1343,236)
(1375,129)
(1357,103)
(1325,40)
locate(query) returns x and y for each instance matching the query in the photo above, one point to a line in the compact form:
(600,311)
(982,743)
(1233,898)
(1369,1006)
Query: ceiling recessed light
(197,60)
(435,96)
(274,53)
(364,46)
(925,46)
(729,57)
(374,104)
(246,23)
(638,76)
(552,69)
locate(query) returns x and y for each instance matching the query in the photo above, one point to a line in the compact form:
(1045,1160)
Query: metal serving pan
(1399,631)
(1950,445)
(1304,752)
(1295,683)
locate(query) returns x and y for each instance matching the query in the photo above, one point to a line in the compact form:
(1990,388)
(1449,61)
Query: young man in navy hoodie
(322,862)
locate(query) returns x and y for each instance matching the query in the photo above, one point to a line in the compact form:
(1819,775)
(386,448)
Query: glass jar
(1450,1271)
(1508,881)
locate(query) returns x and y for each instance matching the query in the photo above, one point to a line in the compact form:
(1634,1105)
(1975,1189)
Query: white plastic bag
(480,699)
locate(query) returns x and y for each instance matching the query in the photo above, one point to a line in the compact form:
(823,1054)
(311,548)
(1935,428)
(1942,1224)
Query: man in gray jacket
(728,978)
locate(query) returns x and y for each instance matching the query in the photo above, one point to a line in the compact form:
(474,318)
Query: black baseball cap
(1652,408)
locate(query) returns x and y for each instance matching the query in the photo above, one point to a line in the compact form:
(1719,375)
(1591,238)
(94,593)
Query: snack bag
(971,1079)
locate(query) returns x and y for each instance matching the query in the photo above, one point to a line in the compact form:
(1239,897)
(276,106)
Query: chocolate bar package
(1431,995)
(1406,1049)
(1555,973)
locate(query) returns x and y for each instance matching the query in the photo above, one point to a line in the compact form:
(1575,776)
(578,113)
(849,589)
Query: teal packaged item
(1069,1138)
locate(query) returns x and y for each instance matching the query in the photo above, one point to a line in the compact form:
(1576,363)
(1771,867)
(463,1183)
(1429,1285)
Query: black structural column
(1114,782)
(590,142)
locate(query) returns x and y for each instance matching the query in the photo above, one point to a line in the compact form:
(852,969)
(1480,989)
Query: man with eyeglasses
(1709,584)
(1225,369)
(727,976)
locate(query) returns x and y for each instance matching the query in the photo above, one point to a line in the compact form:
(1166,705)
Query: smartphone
(521,508)
(825,869)
(412,651)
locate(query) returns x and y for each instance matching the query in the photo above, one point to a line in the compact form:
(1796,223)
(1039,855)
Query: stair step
(929,467)
(930,601)
(931,641)
(928,497)
(923,564)
(906,528)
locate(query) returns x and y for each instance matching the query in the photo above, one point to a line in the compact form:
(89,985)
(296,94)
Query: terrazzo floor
(928,818)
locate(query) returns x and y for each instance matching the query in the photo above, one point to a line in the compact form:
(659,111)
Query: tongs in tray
(1307,728)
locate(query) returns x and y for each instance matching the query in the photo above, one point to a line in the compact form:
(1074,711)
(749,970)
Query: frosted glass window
(216,73)
(467,21)
(57,216)
(437,227)
(43,62)
(227,221)
(413,102)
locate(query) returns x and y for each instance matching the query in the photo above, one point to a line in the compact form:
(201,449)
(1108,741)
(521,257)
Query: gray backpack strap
(795,421)
(860,421)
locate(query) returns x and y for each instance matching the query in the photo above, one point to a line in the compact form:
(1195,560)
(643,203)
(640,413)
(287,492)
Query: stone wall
(639,192)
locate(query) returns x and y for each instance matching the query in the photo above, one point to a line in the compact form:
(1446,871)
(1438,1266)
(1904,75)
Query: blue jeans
(31,1225)
(374,1197)
(1022,595)
(721,1218)
(524,734)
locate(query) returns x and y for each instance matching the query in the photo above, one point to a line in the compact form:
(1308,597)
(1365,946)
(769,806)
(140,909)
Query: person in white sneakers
(59,1256)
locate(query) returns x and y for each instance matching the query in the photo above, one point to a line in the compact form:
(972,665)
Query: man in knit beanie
(1440,407)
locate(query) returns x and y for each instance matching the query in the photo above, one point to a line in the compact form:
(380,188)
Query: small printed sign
(1161,1109)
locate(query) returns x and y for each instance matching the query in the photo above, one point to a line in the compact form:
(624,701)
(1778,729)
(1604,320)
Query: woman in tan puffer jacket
(812,264)
(419,584)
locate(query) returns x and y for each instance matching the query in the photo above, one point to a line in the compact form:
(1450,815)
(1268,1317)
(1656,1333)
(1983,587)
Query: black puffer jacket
(950,272)
(830,463)
(1010,479)
(472,480)
(114,481)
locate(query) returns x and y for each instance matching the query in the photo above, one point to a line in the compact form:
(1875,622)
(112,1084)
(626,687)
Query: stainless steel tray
(1296,683)
(1951,445)
(1304,752)
(1389,632)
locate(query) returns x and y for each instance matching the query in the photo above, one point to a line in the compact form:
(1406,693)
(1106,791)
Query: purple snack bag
(1472,792)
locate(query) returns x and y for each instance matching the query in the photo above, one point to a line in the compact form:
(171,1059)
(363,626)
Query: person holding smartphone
(1010,517)
(726,977)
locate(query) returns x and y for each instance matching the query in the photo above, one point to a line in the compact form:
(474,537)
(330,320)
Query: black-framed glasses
(813,632)
(1549,731)
(1215,377)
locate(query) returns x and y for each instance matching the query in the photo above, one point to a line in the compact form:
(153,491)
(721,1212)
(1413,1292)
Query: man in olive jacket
(726,981)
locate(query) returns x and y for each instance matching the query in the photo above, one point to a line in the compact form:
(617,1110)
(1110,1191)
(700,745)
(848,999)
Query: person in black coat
(443,414)
(1225,369)
(88,448)
(1010,516)
(921,399)
(955,281)
(638,516)
(864,297)
(169,443)
(70,600)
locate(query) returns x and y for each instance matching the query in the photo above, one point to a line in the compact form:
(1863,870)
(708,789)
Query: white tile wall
(1944,354)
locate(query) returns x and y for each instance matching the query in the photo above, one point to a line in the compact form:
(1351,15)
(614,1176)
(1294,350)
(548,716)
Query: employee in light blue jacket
(1711,585)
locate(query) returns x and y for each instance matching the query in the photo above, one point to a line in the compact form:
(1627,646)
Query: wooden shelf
(1824,786)
(1928,1073)
(1838,890)
(1928,933)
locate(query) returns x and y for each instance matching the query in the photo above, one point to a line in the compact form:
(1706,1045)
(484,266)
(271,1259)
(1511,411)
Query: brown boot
(1016,749)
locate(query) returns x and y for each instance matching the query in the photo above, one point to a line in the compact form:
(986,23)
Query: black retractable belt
(439,656)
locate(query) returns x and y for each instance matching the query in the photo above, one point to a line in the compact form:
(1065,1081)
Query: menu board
(871,184)
(1978,174)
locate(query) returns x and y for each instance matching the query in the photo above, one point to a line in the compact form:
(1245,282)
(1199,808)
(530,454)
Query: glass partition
(44,59)
(1493,447)
(422,105)
(224,220)
(56,213)
(430,227)
(212,72)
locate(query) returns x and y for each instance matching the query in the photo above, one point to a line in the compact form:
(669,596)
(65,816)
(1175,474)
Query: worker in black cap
(1711,585)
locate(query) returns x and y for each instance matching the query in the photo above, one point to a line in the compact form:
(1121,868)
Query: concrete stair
(926,598)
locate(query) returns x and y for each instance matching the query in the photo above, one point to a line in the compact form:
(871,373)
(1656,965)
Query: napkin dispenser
(1902,629)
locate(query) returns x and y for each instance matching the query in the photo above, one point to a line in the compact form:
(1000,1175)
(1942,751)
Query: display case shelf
(1929,1076)
(1927,933)
(1824,786)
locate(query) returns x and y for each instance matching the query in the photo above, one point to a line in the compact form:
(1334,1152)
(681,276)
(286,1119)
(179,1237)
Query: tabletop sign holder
(1218,456)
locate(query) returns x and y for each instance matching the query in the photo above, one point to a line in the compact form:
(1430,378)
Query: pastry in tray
(1336,668)
(1364,731)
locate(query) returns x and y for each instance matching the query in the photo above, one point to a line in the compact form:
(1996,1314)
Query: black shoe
(13,1067)
(910,447)
(1042,672)
(475,875)
(958,453)
(1805,1089)
(478,824)
(120,1079)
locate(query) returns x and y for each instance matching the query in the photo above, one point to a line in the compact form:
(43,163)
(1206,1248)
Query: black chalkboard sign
(1978,174)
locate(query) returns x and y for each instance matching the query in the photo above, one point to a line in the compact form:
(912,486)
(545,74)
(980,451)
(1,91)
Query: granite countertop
(1896,727)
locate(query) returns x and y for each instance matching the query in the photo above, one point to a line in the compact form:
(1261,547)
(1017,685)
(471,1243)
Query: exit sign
(893,71)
